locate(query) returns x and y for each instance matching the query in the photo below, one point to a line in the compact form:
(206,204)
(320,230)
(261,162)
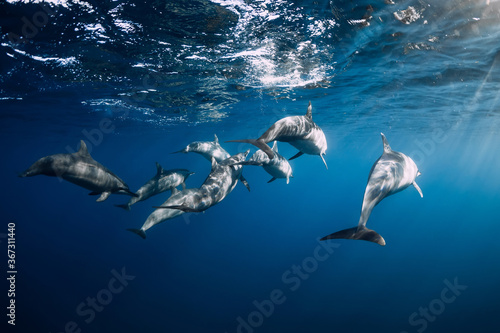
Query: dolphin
(219,183)
(391,173)
(209,149)
(278,167)
(299,131)
(162,215)
(164,180)
(81,169)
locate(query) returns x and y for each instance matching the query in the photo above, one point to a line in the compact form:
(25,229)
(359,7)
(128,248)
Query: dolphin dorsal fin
(216,139)
(214,162)
(387,147)
(275,146)
(159,169)
(309,111)
(83,151)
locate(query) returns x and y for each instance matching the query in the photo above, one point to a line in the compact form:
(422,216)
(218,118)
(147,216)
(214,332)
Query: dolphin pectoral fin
(259,143)
(272,180)
(185,209)
(139,232)
(245,182)
(357,233)
(418,189)
(324,161)
(103,196)
(296,155)
(124,206)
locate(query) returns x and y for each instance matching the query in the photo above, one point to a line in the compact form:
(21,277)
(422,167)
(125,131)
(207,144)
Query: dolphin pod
(219,183)
(299,131)
(391,173)
(209,150)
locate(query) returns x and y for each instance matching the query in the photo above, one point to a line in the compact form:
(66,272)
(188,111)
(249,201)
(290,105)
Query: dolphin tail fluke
(357,233)
(124,206)
(245,182)
(259,143)
(139,232)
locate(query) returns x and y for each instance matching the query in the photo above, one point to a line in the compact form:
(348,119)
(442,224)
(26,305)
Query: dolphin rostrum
(209,149)
(219,183)
(81,169)
(391,173)
(164,180)
(278,167)
(299,131)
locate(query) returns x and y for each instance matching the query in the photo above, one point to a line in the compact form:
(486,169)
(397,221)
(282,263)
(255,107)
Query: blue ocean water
(139,80)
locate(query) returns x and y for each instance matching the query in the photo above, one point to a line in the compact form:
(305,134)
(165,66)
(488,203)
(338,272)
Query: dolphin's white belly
(410,171)
(313,144)
(275,171)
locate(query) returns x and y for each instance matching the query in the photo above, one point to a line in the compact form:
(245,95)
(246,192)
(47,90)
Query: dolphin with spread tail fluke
(391,173)
(299,131)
